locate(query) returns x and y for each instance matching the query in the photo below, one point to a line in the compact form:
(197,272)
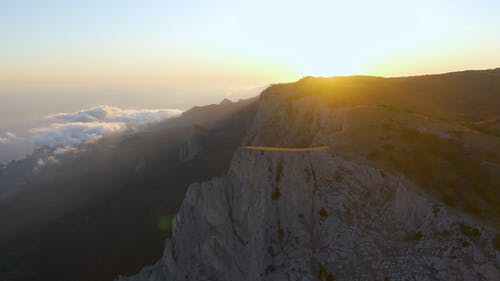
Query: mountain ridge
(396,152)
(436,137)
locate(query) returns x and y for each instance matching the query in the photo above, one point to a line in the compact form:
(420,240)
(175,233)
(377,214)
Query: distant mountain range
(342,178)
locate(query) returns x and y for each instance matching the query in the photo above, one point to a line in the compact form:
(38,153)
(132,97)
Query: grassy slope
(441,131)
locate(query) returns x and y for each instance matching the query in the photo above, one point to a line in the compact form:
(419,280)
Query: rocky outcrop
(280,215)
(366,208)
(429,151)
(193,144)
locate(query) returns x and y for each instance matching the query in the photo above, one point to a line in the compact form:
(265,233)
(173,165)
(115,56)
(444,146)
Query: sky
(64,56)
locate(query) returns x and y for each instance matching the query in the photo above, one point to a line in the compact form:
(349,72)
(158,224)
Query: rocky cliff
(285,215)
(355,202)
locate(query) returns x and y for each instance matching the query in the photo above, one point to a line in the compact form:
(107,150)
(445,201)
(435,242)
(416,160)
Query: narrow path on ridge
(288,149)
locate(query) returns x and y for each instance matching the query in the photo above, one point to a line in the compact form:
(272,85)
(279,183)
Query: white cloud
(7,138)
(64,150)
(84,126)
(10,135)
(70,134)
(106,113)
(49,160)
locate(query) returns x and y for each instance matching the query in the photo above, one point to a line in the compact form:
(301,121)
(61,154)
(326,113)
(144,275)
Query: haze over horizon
(65,56)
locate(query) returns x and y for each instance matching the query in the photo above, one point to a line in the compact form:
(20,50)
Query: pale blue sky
(41,39)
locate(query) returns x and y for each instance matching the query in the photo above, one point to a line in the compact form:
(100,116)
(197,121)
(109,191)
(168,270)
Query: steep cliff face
(288,215)
(449,159)
(399,193)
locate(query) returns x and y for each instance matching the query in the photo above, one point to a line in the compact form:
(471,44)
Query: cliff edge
(350,178)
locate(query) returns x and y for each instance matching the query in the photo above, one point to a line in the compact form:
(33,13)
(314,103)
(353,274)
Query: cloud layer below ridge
(70,129)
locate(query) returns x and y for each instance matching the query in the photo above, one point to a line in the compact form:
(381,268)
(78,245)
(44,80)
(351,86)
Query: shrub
(270,268)
(496,242)
(323,213)
(418,236)
(469,231)
(281,234)
(276,194)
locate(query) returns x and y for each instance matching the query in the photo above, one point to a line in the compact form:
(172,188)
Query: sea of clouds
(84,126)
(63,131)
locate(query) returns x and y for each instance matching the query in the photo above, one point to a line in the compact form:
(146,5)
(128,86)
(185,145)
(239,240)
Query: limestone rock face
(283,215)
(367,208)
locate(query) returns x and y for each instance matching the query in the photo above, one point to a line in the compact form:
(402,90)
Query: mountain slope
(106,209)
(283,215)
(423,127)
(407,189)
